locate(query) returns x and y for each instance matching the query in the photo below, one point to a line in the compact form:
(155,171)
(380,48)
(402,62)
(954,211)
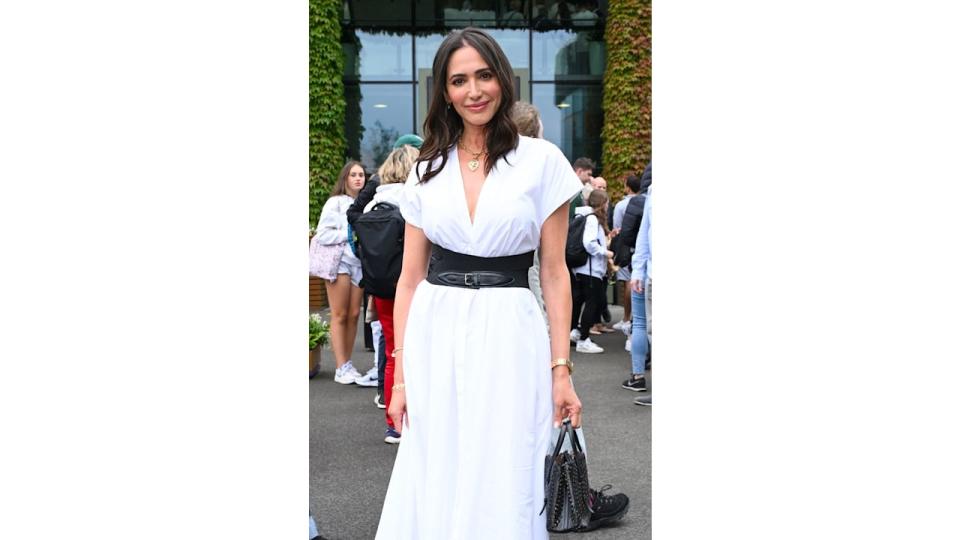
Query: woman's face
(472,87)
(355,180)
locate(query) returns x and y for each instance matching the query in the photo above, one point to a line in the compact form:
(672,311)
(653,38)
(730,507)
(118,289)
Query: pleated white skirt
(476,366)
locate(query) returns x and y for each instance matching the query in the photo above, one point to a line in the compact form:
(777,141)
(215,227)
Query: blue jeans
(638,338)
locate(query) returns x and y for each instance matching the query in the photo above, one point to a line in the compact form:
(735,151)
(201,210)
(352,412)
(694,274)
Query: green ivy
(327,103)
(627,91)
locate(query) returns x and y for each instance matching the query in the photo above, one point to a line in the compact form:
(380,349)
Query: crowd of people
(403,231)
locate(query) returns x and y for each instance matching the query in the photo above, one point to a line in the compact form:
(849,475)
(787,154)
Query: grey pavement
(350,464)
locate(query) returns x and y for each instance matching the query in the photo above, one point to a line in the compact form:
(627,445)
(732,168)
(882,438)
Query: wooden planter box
(318,292)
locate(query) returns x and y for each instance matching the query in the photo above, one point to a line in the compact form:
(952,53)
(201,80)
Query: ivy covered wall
(627,91)
(327,104)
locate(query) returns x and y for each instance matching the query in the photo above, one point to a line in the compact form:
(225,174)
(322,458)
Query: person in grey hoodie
(588,278)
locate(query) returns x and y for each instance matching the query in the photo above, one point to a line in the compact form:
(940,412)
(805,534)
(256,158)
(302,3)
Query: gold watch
(562,362)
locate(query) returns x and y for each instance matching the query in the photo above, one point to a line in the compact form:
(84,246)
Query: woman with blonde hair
(392,174)
(343,293)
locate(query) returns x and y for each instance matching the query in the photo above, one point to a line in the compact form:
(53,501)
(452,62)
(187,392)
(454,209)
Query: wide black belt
(453,269)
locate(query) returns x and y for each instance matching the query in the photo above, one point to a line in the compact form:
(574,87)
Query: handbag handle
(565,428)
(574,440)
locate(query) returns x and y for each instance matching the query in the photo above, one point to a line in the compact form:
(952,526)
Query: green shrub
(627,92)
(327,104)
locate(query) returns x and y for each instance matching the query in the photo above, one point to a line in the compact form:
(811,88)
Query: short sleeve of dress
(558,185)
(410,205)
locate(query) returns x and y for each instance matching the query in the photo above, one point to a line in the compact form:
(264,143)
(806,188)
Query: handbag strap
(574,440)
(565,428)
(563,433)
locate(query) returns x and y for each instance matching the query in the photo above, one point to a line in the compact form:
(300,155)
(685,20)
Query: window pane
(377,56)
(572,117)
(376,115)
(562,14)
(513,42)
(458,13)
(558,54)
(377,13)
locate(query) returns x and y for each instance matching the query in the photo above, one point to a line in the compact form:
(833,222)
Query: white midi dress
(476,362)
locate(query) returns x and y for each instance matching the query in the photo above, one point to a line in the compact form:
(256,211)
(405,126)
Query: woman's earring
(448,105)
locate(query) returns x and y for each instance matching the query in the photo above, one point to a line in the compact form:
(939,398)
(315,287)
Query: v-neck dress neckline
(463,190)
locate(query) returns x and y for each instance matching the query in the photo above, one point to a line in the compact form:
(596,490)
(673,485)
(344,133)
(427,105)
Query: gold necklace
(474,163)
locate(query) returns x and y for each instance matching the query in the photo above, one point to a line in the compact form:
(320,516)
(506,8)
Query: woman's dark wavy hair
(443,126)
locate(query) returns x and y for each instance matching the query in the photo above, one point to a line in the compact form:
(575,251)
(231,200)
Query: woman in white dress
(478,382)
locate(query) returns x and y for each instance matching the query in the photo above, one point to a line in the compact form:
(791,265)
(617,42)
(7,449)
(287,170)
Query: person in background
(641,280)
(344,294)
(356,209)
(632,187)
(589,277)
(599,183)
(393,173)
(527,119)
(583,167)
(372,321)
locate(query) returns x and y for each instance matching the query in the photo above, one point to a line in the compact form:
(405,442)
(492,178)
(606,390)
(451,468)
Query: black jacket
(632,215)
(365,196)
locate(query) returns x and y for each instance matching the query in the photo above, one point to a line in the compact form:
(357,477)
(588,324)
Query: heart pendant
(473,164)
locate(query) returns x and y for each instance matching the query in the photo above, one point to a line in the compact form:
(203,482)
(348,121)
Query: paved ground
(350,464)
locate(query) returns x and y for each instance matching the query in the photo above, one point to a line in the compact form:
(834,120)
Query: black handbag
(566,487)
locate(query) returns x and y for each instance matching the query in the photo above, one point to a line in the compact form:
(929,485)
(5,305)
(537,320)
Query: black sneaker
(606,509)
(637,384)
(645,400)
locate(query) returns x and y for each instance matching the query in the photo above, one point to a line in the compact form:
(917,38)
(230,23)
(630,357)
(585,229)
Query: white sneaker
(370,379)
(346,374)
(589,347)
(356,374)
(619,326)
(626,346)
(574,335)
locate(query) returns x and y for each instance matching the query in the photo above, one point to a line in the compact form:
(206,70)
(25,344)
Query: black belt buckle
(468,278)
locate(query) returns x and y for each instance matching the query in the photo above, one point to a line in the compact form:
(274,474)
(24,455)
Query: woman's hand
(398,409)
(565,400)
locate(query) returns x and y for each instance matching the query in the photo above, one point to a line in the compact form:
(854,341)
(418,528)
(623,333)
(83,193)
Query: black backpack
(380,241)
(576,254)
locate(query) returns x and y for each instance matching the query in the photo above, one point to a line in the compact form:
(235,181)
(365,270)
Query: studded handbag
(566,487)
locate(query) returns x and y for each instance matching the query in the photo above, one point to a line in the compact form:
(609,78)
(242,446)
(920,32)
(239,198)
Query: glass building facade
(556,49)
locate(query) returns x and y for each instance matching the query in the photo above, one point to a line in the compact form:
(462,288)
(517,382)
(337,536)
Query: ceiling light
(563,105)
(380,106)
